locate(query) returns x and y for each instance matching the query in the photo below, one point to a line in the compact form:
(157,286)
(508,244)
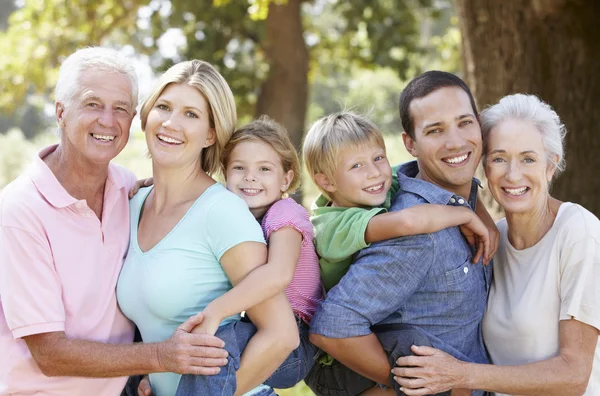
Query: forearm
(420,219)
(276,338)
(258,286)
(82,358)
(363,355)
(552,377)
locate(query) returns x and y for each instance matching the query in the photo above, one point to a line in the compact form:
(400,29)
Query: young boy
(346,158)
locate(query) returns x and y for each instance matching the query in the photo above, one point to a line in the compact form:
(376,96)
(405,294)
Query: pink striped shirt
(305,291)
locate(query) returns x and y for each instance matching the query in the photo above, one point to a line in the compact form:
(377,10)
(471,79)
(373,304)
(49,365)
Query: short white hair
(529,108)
(93,58)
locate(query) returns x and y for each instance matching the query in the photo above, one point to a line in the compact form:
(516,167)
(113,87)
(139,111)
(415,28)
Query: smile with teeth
(516,191)
(104,138)
(169,140)
(251,191)
(374,188)
(456,160)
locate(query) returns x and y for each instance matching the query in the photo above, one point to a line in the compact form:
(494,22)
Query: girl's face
(517,167)
(178,127)
(255,173)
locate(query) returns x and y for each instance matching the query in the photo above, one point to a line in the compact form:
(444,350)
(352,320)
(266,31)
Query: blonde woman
(191,239)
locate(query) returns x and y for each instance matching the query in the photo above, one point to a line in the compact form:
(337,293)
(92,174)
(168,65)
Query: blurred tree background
(297,60)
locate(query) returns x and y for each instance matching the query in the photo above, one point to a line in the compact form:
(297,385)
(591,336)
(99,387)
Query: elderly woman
(543,313)
(191,239)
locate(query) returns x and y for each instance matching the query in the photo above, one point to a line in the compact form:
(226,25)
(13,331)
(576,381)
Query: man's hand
(186,353)
(144,388)
(139,184)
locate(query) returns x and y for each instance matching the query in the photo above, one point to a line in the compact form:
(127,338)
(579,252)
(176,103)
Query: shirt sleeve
(340,233)
(287,213)
(379,283)
(29,285)
(229,223)
(580,275)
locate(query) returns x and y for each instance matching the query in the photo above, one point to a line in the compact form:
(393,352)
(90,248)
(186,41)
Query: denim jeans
(338,380)
(236,336)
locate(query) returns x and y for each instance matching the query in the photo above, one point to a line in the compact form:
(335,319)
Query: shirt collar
(432,193)
(48,185)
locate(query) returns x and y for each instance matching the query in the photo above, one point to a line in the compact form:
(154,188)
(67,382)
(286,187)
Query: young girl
(262,167)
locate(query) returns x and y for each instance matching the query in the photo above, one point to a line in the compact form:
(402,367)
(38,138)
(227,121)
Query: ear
(59,110)
(324,183)
(551,168)
(211,138)
(287,180)
(409,143)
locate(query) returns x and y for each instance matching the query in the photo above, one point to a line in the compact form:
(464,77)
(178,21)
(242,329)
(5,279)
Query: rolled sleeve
(29,285)
(379,283)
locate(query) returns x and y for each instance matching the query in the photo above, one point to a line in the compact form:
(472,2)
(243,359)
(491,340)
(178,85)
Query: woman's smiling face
(517,166)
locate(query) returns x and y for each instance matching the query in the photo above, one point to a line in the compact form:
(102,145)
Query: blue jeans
(236,336)
(338,380)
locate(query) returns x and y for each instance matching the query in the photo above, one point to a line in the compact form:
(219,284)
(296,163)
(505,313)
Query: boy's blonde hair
(265,129)
(221,104)
(329,135)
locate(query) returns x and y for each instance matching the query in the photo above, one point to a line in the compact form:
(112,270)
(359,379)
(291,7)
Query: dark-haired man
(416,289)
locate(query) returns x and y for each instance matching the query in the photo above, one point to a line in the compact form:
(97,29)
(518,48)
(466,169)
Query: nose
(107,118)
(249,176)
(454,139)
(373,171)
(171,124)
(513,173)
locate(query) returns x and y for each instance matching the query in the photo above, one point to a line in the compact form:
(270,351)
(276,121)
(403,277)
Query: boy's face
(447,140)
(363,177)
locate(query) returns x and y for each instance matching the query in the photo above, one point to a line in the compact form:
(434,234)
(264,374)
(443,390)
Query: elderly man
(63,234)
(420,289)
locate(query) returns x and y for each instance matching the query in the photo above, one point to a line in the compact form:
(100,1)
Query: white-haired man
(64,230)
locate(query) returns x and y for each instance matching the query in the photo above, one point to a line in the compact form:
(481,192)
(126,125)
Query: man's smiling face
(447,141)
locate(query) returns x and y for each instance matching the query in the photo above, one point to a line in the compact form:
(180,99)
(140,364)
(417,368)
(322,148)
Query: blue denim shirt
(422,280)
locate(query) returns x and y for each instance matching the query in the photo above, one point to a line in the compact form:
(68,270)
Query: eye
(237,167)
(93,105)
(529,160)
(122,110)
(465,122)
(191,114)
(498,160)
(162,107)
(355,166)
(264,169)
(378,158)
(432,131)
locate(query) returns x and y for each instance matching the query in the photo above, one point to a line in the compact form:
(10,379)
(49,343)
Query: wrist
(464,379)
(157,353)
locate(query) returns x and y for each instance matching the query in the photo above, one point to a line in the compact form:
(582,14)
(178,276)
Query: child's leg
(236,336)
(396,340)
(298,364)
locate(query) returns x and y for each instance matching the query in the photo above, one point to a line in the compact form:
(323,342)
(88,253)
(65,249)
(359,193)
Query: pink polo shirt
(58,271)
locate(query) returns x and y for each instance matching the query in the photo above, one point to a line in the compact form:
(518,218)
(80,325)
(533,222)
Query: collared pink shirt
(58,271)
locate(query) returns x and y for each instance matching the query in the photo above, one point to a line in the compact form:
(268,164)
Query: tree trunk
(550,48)
(284,94)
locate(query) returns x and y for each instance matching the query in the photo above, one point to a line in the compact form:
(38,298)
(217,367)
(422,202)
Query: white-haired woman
(543,314)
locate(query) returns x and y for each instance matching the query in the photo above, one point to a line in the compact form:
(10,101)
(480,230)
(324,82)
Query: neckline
(561,209)
(163,239)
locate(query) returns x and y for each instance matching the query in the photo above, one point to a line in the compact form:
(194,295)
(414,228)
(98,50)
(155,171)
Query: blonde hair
(329,135)
(221,104)
(265,129)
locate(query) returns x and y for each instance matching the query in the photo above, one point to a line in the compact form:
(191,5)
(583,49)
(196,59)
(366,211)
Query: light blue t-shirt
(177,278)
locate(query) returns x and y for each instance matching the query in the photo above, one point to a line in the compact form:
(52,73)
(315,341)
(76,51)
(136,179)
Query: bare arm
(277,333)
(184,353)
(488,221)
(565,374)
(260,284)
(427,219)
(363,355)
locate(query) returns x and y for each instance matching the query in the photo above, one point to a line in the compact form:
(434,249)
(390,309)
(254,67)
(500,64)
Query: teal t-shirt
(340,233)
(161,288)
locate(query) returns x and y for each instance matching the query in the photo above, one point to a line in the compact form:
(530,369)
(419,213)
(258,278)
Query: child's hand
(477,234)
(144,388)
(209,325)
(139,184)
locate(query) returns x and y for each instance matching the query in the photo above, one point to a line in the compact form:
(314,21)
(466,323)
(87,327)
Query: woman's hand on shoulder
(139,184)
